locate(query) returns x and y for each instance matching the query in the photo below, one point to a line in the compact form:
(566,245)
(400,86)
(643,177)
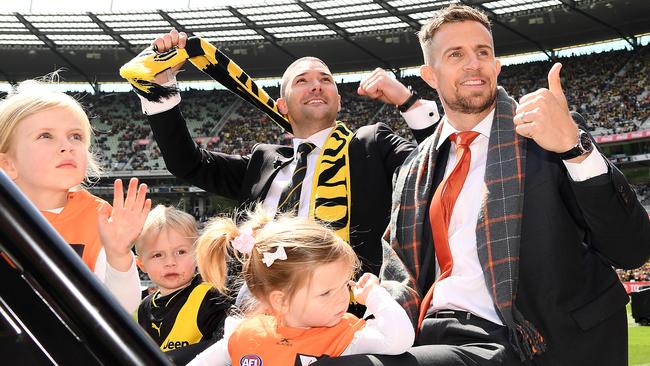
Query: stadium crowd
(636,275)
(611,88)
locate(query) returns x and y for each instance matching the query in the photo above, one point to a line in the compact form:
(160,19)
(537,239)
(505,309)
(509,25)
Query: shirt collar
(482,127)
(317,139)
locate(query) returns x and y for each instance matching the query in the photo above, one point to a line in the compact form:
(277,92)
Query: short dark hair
(450,14)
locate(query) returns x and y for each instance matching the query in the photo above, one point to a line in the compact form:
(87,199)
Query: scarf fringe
(155,92)
(142,69)
(526,340)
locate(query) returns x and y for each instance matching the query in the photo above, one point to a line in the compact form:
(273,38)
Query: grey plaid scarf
(498,230)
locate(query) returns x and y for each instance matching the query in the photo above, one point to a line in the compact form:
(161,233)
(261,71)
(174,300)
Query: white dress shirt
(283,178)
(465,288)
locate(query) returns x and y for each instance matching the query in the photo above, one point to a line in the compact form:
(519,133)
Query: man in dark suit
(508,221)
(310,100)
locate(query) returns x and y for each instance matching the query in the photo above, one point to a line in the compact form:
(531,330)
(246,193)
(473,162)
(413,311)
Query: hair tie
(244,242)
(279,254)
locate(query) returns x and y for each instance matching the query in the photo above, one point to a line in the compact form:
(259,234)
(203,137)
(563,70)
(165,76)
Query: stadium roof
(350,35)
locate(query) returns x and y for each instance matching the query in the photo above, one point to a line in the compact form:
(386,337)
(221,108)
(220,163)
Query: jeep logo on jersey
(174,345)
(250,360)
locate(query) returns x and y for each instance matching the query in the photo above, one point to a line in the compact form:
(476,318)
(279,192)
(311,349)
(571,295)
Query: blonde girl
(300,273)
(45,149)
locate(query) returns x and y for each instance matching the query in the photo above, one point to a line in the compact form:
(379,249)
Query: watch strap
(409,102)
(580,147)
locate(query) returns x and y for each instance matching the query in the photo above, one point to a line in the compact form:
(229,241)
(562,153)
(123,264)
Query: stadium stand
(611,88)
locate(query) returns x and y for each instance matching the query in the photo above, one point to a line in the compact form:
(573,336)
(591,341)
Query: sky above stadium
(60,6)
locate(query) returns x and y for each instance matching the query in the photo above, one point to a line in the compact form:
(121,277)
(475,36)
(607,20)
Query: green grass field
(639,342)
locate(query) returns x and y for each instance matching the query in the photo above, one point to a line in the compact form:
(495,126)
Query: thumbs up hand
(544,116)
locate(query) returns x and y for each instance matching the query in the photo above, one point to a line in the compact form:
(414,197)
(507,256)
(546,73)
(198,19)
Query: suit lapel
(427,250)
(269,169)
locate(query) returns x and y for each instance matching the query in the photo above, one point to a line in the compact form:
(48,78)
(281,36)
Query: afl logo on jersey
(250,360)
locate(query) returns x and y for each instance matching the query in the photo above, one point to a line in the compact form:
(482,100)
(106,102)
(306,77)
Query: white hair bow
(269,257)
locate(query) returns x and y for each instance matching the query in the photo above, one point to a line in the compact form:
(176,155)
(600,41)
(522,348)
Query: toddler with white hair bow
(301,273)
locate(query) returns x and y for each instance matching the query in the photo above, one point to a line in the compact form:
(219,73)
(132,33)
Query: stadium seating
(612,89)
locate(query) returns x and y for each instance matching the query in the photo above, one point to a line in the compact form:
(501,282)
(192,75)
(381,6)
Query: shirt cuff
(150,108)
(593,166)
(423,116)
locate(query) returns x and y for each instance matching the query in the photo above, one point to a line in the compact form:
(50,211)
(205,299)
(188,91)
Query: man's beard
(464,104)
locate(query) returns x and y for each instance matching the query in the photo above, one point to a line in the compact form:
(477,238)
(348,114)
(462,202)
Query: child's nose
(66,145)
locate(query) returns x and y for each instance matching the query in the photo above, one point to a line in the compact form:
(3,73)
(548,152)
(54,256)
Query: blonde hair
(306,243)
(33,96)
(165,217)
(450,14)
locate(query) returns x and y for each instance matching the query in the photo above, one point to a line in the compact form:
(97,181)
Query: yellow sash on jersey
(185,330)
(330,201)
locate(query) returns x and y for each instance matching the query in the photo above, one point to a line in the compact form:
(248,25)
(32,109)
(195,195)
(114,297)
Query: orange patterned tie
(442,206)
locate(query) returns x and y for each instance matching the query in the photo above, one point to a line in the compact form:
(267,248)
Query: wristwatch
(584,146)
(409,102)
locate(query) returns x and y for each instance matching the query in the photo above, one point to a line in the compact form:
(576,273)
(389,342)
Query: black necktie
(290,197)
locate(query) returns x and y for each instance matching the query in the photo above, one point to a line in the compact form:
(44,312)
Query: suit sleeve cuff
(422,116)
(593,166)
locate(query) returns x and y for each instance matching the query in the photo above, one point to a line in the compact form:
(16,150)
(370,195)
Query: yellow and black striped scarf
(330,197)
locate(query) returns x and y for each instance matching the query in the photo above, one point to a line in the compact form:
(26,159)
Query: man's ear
(282,106)
(426,73)
(278,302)
(7,165)
(339,102)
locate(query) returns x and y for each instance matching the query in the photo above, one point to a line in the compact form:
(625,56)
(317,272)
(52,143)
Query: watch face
(585,142)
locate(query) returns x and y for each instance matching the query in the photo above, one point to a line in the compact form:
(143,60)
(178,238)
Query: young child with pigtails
(300,274)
